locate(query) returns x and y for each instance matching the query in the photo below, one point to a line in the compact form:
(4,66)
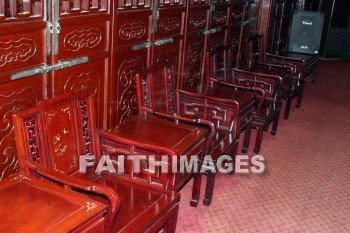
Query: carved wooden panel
(79,78)
(124,98)
(21,50)
(197,22)
(193,62)
(155,178)
(61,138)
(13,10)
(14,97)
(78,7)
(132,27)
(222,115)
(170,22)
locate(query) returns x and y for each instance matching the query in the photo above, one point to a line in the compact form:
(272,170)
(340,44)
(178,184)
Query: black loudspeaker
(346,51)
(305,32)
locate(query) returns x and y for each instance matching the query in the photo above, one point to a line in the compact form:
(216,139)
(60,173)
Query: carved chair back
(56,132)
(156,89)
(219,69)
(254,48)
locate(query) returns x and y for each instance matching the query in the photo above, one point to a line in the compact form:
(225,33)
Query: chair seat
(160,132)
(140,206)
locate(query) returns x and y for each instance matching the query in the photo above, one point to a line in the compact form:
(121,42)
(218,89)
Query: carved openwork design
(138,4)
(32,140)
(194,52)
(169,25)
(128,99)
(11,103)
(170,2)
(223,116)
(237,12)
(84,81)
(19,9)
(121,157)
(198,21)
(134,30)
(68,7)
(83,39)
(15,51)
(85,128)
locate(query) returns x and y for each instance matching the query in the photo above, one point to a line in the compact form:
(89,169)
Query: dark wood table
(32,205)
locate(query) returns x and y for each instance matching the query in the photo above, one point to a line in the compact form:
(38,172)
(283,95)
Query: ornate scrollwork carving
(194,64)
(89,80)
(127,85)
(134,30)
(83,39)
(219,17)
(170,24)
(198,21)
(11,103)
(14,51)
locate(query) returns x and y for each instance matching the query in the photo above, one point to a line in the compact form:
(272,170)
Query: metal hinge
(46,68)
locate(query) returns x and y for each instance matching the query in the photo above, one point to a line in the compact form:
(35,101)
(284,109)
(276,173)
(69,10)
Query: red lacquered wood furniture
(293,81)
(266,87)
(31,205)
(229,111)
(51,136)
(158,96)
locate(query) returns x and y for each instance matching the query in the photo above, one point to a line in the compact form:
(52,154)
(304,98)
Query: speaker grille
(305,32)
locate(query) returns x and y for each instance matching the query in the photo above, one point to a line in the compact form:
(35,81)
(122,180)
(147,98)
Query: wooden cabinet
(48,48)
(51,47)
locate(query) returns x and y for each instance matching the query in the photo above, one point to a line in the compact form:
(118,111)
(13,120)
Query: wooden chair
(51,136)
(266,87)
(288,68)
(222,113)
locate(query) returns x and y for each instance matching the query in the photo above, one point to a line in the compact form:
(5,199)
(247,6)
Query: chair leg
(266,128)
(170,226)
(300,98)
(258,141)
(287,110)
(246,138)
(275,124)
(209,189)
(196,190)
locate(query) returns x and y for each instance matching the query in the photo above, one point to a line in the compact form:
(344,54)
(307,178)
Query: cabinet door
(81,34)
(193,59)
(22,52)
(168,31)
(219,24)
(132,45)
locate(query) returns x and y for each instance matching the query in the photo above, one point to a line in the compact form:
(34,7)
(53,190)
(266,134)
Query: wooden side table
(32,205)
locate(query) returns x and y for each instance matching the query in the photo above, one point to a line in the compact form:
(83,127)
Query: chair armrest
(271,84)
(247,88)
(197,121)
(81,184)
(298,63)
(113,137)
(284,66)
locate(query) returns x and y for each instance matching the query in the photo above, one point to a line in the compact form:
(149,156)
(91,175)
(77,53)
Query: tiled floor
(306,186)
